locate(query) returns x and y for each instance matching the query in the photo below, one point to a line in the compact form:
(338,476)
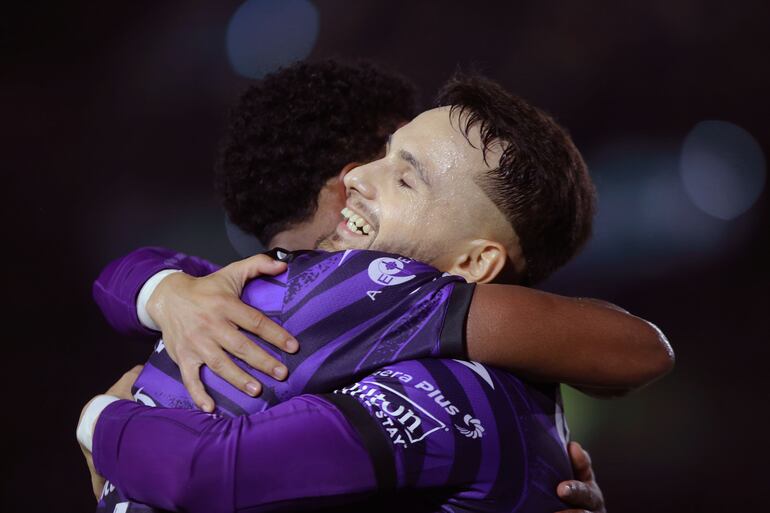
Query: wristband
(144,295)
(85,430)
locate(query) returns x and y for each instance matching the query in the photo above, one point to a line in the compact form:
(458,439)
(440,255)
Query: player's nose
(360,179)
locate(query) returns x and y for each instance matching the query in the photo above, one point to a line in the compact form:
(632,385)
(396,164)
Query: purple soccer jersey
(460,436)
(423,435)
(352,312)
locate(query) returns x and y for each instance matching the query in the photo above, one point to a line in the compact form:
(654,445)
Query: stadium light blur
(263,35)
(722,168)
(645,224)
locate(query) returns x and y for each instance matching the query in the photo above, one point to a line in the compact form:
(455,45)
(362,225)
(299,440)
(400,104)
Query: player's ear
(482,261)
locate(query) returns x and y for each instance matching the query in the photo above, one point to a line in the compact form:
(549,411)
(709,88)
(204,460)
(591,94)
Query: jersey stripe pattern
(463,437)
(351,311)
(380,331)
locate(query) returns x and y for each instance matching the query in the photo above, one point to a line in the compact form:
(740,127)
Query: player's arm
(303,453)
(328,448)
(593,345)
(192,335)
(118,286)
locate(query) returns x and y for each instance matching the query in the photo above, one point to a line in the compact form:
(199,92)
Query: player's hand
(121,389)
(97,481)
(583,494)
(200,317)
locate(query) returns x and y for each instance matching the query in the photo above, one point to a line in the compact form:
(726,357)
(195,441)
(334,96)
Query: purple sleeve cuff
(117,287)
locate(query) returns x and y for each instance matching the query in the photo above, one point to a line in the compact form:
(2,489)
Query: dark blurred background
(111,114)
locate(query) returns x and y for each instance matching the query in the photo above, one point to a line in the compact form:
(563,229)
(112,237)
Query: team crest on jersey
(389,271)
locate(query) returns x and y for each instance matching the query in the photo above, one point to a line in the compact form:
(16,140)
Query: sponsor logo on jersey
(437,396)
(389,271)
(394,374)
(405,421)
(473,427)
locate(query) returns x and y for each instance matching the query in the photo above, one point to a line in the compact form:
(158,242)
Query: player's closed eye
(402,183)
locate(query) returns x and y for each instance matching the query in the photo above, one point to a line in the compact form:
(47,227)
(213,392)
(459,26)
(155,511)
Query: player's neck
(306,234)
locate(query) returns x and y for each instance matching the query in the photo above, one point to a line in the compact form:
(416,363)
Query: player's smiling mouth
(356,223)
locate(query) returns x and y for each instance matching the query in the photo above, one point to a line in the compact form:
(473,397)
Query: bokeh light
(645,224)
(723,169)
(264,35)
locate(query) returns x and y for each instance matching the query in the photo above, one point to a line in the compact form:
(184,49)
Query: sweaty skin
(422,199)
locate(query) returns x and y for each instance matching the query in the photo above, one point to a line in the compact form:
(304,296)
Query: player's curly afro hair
(296,128)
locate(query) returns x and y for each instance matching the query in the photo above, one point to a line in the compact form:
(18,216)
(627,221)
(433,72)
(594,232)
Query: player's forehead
(437,139)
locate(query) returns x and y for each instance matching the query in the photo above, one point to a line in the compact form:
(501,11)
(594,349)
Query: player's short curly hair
(296,128)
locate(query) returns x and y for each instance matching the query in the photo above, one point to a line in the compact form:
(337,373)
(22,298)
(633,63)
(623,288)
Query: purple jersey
(417,436)
(353,313)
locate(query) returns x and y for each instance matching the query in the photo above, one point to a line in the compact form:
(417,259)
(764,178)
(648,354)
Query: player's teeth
(367,229)
(359,222)
(351,226)
(354,218)
(344,212)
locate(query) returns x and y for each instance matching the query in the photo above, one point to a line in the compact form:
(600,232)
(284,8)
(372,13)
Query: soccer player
(277,190)
(442,156)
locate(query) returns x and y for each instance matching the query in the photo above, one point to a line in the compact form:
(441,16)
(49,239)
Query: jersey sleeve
(118,285)
(303,453)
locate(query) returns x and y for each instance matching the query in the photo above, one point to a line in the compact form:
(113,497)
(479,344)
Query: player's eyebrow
(416,164)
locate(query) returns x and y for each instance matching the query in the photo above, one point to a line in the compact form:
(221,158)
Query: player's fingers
(135,370)
(97,483)
(238,344)
(256,265)
(254,321)
(581,462)
(191,378)
(130,376)
(579,494)
(122,387)
(221,365)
